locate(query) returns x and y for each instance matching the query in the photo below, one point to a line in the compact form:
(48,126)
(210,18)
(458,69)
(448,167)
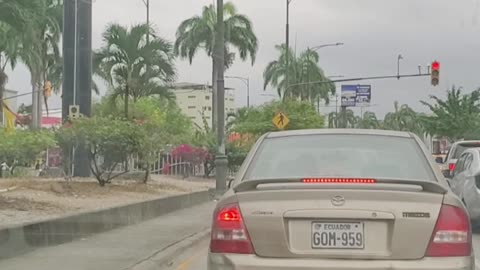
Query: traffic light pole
(361,79)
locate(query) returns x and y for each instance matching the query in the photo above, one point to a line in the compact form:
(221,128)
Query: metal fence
(165,163)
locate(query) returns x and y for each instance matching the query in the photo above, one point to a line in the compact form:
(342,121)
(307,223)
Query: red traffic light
(435,73)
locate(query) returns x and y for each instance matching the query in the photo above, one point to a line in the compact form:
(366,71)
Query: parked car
(466,182)
(454,153)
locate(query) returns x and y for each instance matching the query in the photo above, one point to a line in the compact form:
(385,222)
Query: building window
(232,99)
(208,118)
(207,97)
(191,96)
(192,107)
(209,109)
(192,117)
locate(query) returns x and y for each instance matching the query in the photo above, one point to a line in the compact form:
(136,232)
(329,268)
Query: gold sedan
(340,199)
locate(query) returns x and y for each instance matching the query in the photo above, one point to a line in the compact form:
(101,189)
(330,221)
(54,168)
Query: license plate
(333,235)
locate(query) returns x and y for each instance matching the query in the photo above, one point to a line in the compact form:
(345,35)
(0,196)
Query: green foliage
(132,67)
(457,117)
(109,142)
(198,32)
(23,146)
(257,121)
(302,69)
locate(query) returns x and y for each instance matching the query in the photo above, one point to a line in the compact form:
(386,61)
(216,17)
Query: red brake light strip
(339,180)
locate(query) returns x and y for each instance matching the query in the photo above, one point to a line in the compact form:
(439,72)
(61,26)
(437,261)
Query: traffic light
(435,73)
(47,89)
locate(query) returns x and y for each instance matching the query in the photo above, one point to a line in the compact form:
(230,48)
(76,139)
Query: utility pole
(287,44)
(147,5)
(221,162)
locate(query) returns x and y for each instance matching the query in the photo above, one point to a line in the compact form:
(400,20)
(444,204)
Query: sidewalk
(119,249)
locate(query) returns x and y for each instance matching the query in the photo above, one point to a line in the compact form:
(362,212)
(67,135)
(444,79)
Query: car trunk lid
(334,220)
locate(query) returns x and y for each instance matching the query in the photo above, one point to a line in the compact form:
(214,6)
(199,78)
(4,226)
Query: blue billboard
(356,95)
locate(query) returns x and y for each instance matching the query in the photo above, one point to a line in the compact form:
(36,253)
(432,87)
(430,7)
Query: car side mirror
(230,182)
(439,160)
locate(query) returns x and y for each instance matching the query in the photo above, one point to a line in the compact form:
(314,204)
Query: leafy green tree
(302,115)
(302,70)
(131,66)
(23,146)
(109,141)
(457,117)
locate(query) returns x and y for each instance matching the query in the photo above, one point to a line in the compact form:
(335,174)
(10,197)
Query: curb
(28,237)
(165,257)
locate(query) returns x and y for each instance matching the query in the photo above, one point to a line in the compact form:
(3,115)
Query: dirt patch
(35,199)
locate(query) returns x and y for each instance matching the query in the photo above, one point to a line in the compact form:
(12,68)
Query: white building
(195,101)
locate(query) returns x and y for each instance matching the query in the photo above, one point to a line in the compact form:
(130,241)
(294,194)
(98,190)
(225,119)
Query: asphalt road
(195,257)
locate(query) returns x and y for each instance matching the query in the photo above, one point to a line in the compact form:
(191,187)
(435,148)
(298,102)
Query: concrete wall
(22,239)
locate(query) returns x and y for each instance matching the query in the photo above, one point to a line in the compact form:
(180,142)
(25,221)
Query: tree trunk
(127,95)
(147,173)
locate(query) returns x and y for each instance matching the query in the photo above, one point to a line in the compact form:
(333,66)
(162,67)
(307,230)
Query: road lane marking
(186,263)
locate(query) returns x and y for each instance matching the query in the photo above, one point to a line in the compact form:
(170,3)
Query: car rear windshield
(361,156)
(460,148)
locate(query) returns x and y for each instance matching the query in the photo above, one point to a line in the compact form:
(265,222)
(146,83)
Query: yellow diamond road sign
(280,120)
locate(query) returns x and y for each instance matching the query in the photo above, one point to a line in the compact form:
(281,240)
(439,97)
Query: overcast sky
(374,33)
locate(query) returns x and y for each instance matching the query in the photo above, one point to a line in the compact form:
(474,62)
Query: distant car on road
(454,153)
(466,182)
(340,199)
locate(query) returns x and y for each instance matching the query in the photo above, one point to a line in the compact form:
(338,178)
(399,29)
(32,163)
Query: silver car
(454,153)
(466,182)
(340,199)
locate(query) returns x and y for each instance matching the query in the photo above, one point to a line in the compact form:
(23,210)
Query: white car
(454,153)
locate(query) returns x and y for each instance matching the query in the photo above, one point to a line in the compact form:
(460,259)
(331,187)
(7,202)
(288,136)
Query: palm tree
(199,32)
(368,121)
(344,119)
(41,52)
(16,16)
(301,70)
(403,118)
(131,66)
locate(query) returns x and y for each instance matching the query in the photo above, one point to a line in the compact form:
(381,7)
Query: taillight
(452,236)
(229,234)
(339,180)
(451,167)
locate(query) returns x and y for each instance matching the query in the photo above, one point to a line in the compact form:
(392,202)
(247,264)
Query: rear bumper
(252,262)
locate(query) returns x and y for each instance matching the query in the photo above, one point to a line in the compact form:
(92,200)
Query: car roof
(470,141)
(473,149)
(325,131)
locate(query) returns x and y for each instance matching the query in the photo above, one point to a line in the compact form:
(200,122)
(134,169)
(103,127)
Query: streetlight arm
(326,45)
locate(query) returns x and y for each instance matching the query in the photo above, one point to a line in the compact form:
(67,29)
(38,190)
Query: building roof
(193,86)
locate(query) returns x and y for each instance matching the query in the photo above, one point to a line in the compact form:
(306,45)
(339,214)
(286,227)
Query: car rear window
(363,156)
(460,148)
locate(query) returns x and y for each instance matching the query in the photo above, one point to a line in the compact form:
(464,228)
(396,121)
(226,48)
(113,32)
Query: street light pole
(287,44)
(147,5)
(246,81)
(316,48)
(221,161)
(400,57)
